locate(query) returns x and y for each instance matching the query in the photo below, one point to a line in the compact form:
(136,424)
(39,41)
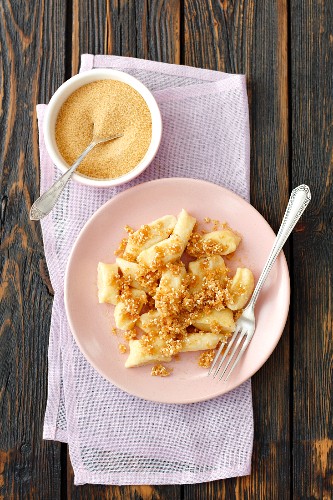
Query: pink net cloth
(113,437)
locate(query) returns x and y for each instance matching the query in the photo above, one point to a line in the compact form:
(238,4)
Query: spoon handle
(44,204)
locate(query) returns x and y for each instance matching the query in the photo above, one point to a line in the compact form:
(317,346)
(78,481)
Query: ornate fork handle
(299,199)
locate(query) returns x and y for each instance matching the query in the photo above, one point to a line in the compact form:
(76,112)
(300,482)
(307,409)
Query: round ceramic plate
(91,323)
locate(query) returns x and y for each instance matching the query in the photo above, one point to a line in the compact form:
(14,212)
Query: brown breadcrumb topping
(139,238)
(175,248)
(160,371)
(198,247)
(141,235)
(148,279)
(114,331)
(216,224)
(219,225)
(130,335)
(129,229)
(133,304)
(178,306)
(150,302)
(237,314)
(206,358)
(119,252)
(122,348)
(176,301)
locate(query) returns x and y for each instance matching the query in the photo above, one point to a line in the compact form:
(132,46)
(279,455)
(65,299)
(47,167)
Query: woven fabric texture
(113,437)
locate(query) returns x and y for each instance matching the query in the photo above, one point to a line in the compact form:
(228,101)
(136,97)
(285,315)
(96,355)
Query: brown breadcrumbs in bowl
(101,109)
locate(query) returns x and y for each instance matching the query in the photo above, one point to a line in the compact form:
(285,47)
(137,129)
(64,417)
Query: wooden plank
(312,146)
(144,29)
(251,37)
(148,30)
(32,60)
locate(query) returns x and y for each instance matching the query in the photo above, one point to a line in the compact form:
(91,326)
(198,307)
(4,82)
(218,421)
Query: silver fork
(245,325)
(44,204)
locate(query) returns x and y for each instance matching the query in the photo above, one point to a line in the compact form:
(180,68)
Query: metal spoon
(44,204)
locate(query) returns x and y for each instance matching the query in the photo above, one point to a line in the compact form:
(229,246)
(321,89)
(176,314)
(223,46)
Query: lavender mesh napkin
(113,437)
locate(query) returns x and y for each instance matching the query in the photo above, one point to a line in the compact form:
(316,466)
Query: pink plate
(91,323)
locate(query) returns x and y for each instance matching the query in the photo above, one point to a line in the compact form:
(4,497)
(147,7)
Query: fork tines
(235,342)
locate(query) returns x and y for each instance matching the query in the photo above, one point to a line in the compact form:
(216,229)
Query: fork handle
(299,199)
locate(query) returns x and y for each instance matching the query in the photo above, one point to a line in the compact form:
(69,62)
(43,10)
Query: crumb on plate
(122,348)
(160,371)
(206,358)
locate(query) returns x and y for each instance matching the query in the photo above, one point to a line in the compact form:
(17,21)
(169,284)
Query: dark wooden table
(285,49)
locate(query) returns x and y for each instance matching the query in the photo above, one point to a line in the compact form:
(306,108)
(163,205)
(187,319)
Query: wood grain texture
(251,37)
(29,467)
(144,29)
(312,160)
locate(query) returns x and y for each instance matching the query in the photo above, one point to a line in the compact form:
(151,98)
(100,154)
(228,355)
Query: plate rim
(91,219)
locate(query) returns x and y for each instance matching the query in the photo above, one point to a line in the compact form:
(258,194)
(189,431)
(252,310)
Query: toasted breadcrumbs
(178,307)
(104,108)
(174,298)
(119,252)
(160,371)
(206,358)
(174,249)
(130,335)
(149,279)
(133,304)
(141,235)
(237,314)
(197,247)
(122,348)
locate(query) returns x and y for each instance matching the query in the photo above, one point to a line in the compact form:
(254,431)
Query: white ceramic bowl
(63,92)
